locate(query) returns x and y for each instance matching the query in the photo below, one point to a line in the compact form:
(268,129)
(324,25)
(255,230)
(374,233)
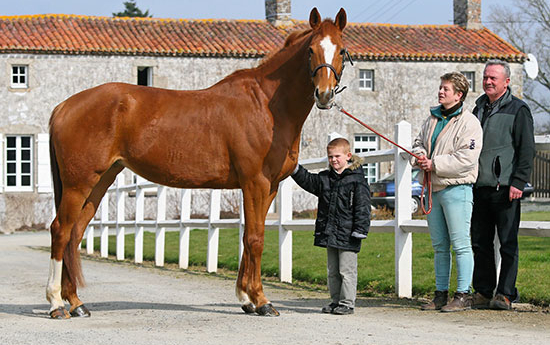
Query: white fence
(402,226)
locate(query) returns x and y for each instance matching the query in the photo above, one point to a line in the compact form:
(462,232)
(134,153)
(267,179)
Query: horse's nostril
(317,93)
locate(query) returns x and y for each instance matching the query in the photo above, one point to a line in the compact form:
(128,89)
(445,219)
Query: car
(383,192)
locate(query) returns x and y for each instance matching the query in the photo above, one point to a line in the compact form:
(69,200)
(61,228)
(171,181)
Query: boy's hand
(358,235)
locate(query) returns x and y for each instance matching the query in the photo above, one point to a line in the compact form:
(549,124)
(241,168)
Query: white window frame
(17,75)
(471,77)
(366,79)
(19,161)
(363,142)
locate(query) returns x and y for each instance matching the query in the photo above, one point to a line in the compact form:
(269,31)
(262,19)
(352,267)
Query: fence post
(285,236)
(184,230)
(104,236)
(140,213)
(120,210)
(403,240)
(160,231)
(213,232)
(90,240)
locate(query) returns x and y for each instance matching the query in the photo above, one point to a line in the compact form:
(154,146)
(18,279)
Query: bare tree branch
(526,26)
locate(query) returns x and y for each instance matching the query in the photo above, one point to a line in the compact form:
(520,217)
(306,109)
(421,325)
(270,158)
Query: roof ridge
(83,16)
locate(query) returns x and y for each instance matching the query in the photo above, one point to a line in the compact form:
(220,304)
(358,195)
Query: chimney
(467,14)
(277,12)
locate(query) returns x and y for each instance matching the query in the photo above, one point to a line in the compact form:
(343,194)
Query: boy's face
(338,158)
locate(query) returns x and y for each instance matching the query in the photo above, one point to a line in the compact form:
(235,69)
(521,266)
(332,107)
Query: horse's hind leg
(72,256)
(67,215)
(257,198)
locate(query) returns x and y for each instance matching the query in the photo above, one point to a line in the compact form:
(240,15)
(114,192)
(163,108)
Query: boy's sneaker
(342,310)
(500,302)
(329,308)
(480,301)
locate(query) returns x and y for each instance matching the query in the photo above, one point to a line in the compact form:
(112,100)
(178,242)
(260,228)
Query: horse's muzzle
(324,100)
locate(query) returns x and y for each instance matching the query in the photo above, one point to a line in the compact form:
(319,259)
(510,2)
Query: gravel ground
(143,305)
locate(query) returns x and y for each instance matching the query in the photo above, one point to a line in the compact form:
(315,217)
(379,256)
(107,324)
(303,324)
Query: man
(505,166)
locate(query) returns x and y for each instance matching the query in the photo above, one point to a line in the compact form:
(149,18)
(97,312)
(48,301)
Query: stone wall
(403,91)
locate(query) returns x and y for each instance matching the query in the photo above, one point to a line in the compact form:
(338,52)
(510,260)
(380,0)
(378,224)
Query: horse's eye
(310,51)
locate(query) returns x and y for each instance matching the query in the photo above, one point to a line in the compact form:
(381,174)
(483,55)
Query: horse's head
(326,56)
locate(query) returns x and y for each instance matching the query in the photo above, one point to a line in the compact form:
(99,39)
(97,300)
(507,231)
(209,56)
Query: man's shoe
(480,301)
(329,308)
(461,301)
(342,310)
(500,302)
(438,302)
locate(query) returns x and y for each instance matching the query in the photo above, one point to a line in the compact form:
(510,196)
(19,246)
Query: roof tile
(75,34)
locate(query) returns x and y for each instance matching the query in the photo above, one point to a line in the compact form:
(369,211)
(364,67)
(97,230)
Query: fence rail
(402,226)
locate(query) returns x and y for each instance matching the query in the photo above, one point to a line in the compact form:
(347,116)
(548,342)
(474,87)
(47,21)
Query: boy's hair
(339,143)
(459,82)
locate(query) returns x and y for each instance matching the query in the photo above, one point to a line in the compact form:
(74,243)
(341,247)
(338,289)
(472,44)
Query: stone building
(44,59)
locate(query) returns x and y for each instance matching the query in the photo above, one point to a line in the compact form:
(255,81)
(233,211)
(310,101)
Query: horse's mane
(292,38)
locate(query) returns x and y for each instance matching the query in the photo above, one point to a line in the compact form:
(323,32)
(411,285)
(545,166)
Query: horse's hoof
(248,308)
(59,313)
(81,311)
(267,310)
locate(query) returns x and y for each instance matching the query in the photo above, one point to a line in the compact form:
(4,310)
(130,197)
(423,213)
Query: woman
(449,144)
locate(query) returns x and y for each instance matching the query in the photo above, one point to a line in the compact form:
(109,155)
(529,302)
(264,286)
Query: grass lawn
(376,260)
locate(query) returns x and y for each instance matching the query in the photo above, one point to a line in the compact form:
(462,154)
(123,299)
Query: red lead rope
(427,175)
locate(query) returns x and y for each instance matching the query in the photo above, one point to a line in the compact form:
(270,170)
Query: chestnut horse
(243,132)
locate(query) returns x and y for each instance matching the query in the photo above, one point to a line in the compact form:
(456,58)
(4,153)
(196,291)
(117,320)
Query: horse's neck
(289,84)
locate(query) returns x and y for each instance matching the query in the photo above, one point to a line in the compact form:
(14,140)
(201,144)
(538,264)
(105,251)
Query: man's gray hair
(504,65)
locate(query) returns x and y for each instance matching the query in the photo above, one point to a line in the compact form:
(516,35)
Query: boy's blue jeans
(449,224)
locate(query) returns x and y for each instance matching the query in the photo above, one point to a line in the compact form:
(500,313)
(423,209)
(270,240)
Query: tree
(131,10)
(527,27)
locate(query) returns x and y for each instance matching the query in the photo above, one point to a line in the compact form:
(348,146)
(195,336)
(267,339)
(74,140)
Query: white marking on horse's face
(53,290)
(329,48)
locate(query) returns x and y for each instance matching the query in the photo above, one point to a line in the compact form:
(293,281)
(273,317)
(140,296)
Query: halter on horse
(246,127)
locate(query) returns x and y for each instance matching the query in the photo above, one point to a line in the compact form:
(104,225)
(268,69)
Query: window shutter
(2,148)
(43,160)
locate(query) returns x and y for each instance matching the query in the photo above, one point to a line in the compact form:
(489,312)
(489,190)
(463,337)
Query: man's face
(338,158)
(495,82)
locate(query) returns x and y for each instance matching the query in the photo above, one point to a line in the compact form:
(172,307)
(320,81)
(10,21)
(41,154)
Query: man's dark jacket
(344,205)
(508,142)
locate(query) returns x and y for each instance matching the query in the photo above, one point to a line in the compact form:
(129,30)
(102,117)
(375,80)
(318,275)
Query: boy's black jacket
(344,204)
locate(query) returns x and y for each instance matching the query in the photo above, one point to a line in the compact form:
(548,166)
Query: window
(18,167)
(471,76)
(19,76)
(366,143)
(145,76)
(366,79)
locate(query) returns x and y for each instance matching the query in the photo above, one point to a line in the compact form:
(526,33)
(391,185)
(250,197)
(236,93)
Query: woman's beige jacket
(456,153)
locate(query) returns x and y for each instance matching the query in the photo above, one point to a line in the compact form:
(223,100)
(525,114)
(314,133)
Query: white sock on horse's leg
(53,289)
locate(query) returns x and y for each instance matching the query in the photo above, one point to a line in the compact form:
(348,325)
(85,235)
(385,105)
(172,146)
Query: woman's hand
(425,164)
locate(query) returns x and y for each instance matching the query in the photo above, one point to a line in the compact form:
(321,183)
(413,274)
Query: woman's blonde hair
(459,82)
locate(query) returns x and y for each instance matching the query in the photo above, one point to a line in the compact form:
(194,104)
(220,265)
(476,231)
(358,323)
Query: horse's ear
(341,19)
(314,18)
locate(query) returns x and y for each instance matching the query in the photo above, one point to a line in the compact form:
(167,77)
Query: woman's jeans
(449,224)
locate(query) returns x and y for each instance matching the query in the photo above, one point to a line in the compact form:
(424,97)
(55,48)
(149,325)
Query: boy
(343,220)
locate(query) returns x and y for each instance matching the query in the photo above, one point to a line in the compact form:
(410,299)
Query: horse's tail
(72,267)
(57,186)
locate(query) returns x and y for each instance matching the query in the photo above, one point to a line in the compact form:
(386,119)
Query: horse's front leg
(257,197)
